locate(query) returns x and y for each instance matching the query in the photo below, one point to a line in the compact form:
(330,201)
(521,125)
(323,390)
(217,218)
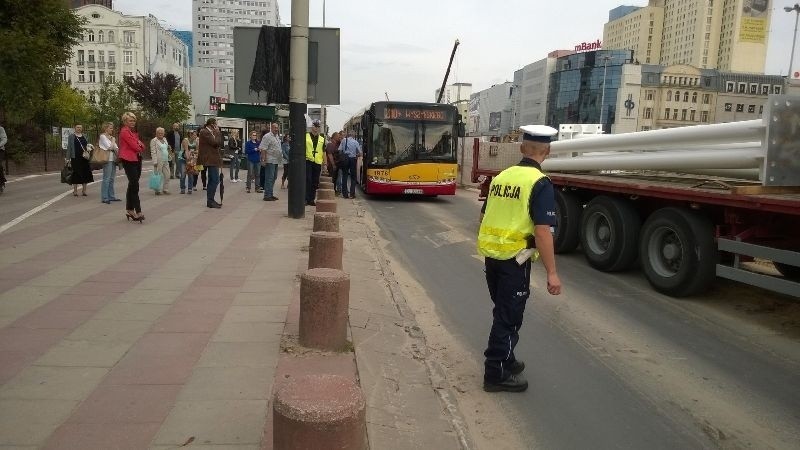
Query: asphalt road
(611,363)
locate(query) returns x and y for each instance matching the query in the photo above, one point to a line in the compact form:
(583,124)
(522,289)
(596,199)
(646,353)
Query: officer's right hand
(553,284)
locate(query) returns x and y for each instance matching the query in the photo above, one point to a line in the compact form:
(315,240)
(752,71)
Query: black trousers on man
(312,180)
(509,288)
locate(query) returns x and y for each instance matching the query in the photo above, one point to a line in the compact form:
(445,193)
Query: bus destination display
(416,113)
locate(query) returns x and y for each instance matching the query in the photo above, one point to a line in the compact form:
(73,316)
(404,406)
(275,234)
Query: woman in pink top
(130,154)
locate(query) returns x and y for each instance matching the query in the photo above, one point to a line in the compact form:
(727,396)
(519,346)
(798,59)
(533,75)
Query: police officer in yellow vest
(518,212)
(315,152)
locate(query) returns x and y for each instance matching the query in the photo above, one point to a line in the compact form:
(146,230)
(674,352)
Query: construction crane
(447,74)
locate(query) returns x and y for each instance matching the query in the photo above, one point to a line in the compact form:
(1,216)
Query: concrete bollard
(319,411)
(325,179)
(326,206)
(324,301)
(324,221)
(325,250)
(325,185)
(326,194)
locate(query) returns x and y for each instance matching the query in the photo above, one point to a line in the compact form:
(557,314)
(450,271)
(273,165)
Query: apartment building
(115,45)
(212,28)
(637,29)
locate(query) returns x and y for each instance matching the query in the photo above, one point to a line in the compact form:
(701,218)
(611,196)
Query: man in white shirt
(271,156)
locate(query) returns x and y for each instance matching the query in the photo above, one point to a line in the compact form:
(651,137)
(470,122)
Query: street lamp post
(796,9)
(603,95)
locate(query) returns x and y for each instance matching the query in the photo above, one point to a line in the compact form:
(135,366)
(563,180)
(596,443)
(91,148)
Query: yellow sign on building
(753,27)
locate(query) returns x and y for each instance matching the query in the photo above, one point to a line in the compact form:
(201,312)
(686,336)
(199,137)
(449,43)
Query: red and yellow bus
(409,148)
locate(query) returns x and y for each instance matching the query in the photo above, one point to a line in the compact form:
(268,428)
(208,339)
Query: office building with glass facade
(584,86)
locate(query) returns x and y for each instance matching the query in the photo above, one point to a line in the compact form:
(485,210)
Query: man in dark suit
(174,138)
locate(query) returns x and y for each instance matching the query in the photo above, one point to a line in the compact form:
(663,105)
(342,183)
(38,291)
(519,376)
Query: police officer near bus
(515,231)
(315,151)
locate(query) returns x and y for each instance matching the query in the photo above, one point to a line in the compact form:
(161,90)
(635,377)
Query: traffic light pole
(298,96)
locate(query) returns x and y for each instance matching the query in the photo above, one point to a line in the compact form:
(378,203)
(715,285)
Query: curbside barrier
(325,250)
(325,185)
(326,206)
(319,412)
(324,302)
(325,179)
(326,194)
(324,221)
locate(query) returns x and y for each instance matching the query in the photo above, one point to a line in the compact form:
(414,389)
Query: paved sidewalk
(120,335)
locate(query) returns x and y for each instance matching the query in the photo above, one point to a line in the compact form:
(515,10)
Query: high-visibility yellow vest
(311,154)
(507,223)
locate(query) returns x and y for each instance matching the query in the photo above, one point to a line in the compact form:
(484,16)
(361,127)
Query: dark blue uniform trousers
(509,287)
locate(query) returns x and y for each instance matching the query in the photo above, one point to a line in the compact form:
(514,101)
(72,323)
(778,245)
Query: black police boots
(514,383)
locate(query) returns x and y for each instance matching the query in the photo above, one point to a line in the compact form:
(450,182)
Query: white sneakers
(235,180)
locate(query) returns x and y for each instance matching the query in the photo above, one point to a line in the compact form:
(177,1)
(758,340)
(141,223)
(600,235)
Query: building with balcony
(115,45)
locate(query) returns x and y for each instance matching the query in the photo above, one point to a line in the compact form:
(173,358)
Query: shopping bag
(155,181)
(66,173)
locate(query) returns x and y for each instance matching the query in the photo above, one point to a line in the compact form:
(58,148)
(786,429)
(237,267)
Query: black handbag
(66,173)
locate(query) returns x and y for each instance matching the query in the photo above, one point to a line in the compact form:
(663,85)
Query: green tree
(68,106)
(37,37)
(111,101)
(152,92)
(179,106)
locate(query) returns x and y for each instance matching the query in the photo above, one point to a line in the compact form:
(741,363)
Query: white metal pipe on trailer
(715,134)
(747,158)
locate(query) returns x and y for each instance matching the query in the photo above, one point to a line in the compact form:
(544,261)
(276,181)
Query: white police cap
(538,133)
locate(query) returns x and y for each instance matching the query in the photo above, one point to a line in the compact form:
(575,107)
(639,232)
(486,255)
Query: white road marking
(44,205)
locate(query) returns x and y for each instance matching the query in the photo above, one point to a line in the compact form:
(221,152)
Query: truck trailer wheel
(610,234)
(568,217)
(678,252)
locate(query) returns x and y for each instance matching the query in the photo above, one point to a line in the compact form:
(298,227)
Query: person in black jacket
(235,152)
(174,139)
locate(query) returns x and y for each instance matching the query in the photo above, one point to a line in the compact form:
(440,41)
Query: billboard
(261,65)
(753,26)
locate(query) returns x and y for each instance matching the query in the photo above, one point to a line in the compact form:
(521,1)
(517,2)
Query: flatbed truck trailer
(683,229)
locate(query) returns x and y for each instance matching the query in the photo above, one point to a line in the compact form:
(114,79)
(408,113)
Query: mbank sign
(589,46)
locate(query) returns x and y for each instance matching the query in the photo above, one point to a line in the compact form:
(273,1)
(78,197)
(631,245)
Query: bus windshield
(399,142)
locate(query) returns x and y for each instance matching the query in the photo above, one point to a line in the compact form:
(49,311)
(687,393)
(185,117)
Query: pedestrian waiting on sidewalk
(174,138)
(189,150)
(159,152)
(253,161)
(271,156)
(286,150)
(77,149)
(108,143)
(349,152)
(235,154)
(209,156)
(331,155)
(3,142)
(130,153)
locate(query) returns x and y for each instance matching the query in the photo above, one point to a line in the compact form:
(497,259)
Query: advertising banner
(753,26)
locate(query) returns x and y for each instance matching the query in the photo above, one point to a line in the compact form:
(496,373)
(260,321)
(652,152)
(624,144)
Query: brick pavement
(120,335)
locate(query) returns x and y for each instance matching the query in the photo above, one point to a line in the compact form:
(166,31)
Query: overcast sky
(401,48)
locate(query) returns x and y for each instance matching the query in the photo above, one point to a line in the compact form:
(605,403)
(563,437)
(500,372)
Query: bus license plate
(413,191)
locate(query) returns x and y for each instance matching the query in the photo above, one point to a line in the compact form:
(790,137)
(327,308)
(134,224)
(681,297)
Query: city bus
(409,148)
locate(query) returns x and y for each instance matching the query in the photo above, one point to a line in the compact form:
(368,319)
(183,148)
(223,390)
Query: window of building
(675,114)
(728,107)
(776,89)
(648,113)
(91,36)
(706,99)
(669,95)
(111,36)
(692,115)
(81,57)
(683,114)
(729,86)
(761,109)
(648,95)
(703,116)
(128,37)
(666,114)
(127,57)
(100,36)
(646,128)
(112,57)
(764,89)
(686,96)
(694,97)
(739,107)
(754,89)
(81,76)
(751,109)
(742,88)
(677,96)
(92,78)
(128,74)
(111,77)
